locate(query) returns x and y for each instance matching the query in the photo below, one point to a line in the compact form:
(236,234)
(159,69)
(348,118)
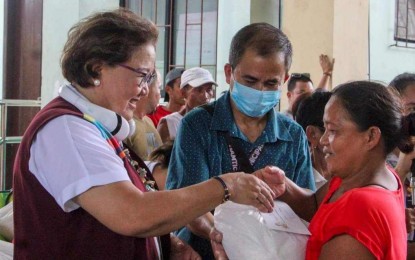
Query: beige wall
(337,28)
(351,40)
(309,26)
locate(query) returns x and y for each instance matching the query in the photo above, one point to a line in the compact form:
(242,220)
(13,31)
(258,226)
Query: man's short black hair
(264,39)
(295,77)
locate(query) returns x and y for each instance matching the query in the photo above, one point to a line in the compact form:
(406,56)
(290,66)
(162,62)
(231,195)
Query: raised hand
(326,64)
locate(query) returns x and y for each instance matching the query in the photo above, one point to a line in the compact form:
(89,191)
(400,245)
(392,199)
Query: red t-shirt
(158,114)
(373,216)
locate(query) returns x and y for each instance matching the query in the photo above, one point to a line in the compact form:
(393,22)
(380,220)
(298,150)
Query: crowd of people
(104,171)
(91,197)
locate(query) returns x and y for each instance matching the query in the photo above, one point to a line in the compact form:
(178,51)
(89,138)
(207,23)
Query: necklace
(142,173)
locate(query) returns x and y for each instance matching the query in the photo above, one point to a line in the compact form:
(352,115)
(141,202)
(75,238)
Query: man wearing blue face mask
(252,102)
(241,131)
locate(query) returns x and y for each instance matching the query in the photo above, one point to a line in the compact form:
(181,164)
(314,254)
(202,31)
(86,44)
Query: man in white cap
(197,89)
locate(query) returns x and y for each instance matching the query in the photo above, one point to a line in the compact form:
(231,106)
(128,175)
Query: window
(188,32)
(195,33)
(405,22)
(159,12)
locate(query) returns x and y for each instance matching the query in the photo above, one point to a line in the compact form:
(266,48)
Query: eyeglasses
(300,75)
(146,77)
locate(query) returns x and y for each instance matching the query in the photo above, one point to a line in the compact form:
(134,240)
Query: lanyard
(239,160)
(123,154)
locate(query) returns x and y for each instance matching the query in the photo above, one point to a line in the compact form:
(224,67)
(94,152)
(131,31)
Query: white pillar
(232,16)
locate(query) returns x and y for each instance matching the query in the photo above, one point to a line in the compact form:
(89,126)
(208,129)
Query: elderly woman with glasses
(78,193)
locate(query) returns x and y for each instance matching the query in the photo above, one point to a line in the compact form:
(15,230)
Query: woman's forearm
(302,201)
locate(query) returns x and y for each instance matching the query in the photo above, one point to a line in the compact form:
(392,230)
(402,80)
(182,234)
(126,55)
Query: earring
(97,82)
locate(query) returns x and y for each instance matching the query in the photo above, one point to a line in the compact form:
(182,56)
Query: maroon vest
(44,231)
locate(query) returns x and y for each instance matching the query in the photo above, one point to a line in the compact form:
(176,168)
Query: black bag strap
(240,161)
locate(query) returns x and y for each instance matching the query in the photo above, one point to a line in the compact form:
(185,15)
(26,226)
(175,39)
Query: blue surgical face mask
(252,102)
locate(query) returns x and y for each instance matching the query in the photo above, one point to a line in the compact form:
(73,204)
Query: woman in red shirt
(359,214)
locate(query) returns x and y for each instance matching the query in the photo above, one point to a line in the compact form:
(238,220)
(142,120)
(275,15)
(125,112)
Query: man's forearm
(202,225)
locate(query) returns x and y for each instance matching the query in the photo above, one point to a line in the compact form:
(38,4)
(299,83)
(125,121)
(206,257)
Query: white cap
(196,77)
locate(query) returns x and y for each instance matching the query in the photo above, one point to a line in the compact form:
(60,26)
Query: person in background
(300,83)
(197,86)
(298,101)
(403,85)
(173,97)
(310,116)
(146,138)
(159,163)
(363,122)
(241,130)
(77,194)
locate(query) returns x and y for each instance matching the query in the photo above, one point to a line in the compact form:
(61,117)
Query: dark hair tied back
(371,104)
